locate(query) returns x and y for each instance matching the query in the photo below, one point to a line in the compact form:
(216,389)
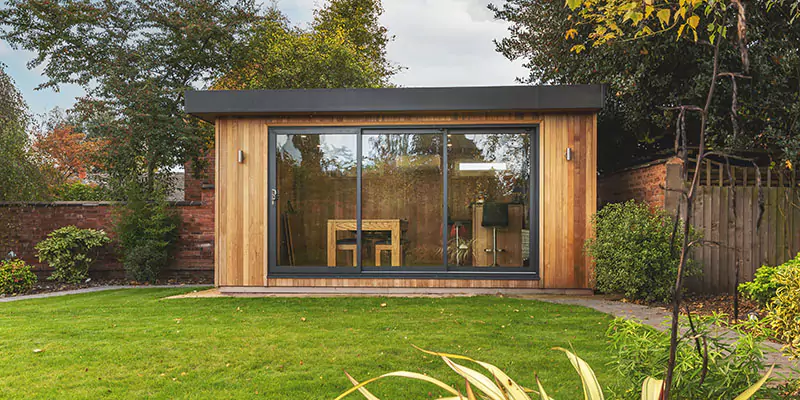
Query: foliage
(22,177)
(784,310)
(763,287)
(657,72)
(70,251)
(634,252)
(16,277)
(78,191)
(642,351)
(345,46)
(497,385)
(147,232)
(135,59)
(72,153)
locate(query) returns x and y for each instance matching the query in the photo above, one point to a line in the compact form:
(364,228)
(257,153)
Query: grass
(135,344)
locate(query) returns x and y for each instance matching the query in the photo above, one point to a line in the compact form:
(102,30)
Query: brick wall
(643,183)
(22,225)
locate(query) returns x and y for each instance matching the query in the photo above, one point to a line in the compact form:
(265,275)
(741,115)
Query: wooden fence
(752,226)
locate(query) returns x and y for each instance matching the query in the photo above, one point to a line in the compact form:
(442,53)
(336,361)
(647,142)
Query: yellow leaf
(573,4)
(578,48)
(693,21)
(571,34)
(663,15)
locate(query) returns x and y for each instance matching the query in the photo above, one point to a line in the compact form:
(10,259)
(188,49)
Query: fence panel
(744,235)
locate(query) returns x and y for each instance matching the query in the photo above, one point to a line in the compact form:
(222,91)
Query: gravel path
(91,290)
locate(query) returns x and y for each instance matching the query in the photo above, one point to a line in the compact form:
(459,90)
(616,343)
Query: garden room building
(403,190)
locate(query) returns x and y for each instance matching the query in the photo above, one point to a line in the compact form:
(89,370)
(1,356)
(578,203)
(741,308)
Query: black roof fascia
(209,104)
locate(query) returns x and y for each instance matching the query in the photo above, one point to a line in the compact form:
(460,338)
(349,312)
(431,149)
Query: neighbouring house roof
(210,104)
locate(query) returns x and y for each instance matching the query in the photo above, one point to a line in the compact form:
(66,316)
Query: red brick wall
(24,225)
(643,183)
(194,183)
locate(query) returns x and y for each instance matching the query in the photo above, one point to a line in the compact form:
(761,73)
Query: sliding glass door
(428,202)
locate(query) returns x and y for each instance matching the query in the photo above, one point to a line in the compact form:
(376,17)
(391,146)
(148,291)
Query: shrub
(70,251)
(16,277)
(640,351)
(81,192)
(634,252)
(147,231)
(497,385)
(784,310)
(763,287)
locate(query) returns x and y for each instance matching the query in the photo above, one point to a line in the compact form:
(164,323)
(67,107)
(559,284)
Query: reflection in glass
(488,199)
(402,189)
(316,199)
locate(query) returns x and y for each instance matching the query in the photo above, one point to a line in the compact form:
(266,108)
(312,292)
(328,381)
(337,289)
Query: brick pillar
(673,184)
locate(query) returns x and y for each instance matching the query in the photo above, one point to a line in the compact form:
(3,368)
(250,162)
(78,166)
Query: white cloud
(440,42)
(448,43)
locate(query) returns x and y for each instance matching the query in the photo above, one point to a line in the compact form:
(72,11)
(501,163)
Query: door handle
(274,196)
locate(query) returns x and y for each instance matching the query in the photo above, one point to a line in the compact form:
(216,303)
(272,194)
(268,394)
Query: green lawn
(134,344)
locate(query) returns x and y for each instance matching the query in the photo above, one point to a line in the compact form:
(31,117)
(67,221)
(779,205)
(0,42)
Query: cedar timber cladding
(567,196)
(241,214)
(566,189)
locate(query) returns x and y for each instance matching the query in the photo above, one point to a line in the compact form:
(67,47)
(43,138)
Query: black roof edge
(210,104)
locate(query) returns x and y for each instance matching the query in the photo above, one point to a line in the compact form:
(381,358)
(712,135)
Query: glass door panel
(402,200)
(315,199)
(488,199)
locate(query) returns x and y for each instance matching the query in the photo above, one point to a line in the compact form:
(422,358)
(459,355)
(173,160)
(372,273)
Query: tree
(344,47)
(710,24)
(647,76)
(71,153)
(135,58)
(21,175)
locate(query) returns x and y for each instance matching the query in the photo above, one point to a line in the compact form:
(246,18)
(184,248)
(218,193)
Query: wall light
(241,156)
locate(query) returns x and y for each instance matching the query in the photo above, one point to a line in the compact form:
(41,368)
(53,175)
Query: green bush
(641,351)
(784,309)
(147,232)
(81,192)
(763,287)
(16,277)
(633,251)
(70,251)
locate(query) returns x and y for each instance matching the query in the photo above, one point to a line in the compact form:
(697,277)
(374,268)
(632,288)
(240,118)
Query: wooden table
(388,225)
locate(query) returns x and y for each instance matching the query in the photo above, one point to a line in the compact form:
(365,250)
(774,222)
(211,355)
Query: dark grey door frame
(445,271)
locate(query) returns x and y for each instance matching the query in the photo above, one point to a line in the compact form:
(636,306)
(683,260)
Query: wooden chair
(384,245)
(348,245)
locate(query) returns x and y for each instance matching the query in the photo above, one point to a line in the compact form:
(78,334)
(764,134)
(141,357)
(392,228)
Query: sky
(438,42)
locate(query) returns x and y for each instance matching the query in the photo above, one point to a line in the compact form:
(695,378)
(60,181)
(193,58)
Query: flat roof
(210,104)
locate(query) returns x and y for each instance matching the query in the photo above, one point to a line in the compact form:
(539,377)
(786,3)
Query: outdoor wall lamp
(568,154)
(241,156)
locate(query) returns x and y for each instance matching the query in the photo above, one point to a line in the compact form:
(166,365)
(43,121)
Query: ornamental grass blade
(480,381)
(366,393)
(516,391)
(591,388)
(402,374)
(470,393)
(542,394)
(652,388)
(753,389)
